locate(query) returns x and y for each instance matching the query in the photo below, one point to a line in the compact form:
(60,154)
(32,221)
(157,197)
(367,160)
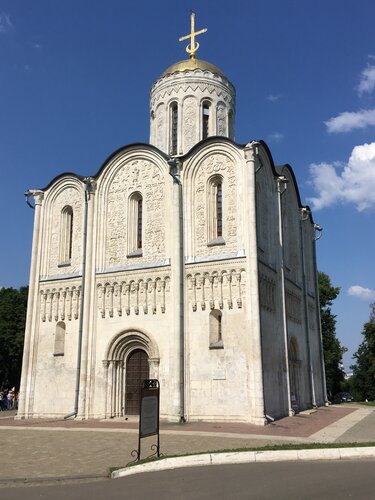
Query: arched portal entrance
(131,357)
(137,369)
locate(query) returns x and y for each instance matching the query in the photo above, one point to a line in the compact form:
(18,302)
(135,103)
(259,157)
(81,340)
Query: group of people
(8,399)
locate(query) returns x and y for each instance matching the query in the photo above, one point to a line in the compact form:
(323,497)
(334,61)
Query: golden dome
(191,65)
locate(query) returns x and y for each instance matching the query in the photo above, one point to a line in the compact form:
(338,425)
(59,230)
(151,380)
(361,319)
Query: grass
(274,447)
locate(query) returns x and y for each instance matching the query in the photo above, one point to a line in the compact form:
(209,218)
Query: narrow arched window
(59,339)
(205,120)
(216,333)
(139,223)
(135,225)
(231,124)
(219,209)
(174,129)
(66,236)
(215,211)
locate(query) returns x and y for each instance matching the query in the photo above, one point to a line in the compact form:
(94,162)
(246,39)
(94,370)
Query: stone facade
(201,263)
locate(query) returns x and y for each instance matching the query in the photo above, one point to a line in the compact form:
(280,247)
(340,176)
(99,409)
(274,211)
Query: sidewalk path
(45,448)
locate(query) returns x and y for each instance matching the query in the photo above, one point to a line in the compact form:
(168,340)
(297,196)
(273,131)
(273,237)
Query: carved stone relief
(133,296)
(216,289)
(216,164)
(267,290)
(190,117)
(191,86)
(293,306)
(143,176)
(221,118)
(60,304)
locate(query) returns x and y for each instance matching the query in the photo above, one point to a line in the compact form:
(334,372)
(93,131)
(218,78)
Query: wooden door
(137,370)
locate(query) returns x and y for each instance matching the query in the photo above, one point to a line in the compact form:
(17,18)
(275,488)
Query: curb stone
(246,457)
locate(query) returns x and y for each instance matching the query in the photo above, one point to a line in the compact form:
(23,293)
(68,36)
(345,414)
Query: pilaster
(30,347)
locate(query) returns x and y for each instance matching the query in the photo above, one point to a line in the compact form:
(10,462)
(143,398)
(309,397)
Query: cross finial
(193,45)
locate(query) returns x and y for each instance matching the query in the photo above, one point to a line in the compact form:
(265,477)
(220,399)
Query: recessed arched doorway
(131,357)
(137,369)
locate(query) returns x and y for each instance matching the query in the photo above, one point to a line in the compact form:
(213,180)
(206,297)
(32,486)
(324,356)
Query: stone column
(31,327)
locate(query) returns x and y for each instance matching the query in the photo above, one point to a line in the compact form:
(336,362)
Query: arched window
(231,124)
(59,339)
(216,334)
(205,120)
(215,210)
(135,223)
(174,128)
(66,236)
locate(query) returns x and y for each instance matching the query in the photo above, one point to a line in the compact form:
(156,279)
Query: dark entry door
(137,370)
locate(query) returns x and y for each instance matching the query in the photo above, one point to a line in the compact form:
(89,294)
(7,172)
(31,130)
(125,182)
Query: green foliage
(363,380)
(13,304)
(333,350)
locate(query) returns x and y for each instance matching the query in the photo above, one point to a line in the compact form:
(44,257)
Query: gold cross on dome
(193,45)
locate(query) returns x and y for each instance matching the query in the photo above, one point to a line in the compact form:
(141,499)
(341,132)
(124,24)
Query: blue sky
(74,86)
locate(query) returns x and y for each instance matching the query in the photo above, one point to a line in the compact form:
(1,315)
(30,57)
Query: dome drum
(191,101)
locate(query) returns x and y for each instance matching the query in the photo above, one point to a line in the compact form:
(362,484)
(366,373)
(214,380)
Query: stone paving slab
(302,425)
(32,453)
(45,448)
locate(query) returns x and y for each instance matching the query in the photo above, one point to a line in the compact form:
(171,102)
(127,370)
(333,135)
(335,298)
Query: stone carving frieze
(133,296)
(216,289)
(294,306)
(60,303)
(220,92)
(136,176)
(267,292)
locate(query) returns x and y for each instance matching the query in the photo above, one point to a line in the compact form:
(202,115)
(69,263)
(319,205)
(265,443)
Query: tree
(363,380)
(333,350)
(13,304)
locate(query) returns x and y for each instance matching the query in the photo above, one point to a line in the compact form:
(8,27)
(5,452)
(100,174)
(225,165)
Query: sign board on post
(149,416)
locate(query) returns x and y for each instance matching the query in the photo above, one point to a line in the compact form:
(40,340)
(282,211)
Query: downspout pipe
(304,217)
(281,183)
(174,171)
(87,183)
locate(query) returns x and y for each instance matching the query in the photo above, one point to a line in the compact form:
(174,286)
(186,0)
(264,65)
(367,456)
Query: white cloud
(367,81)
(273,97)
(361,293)
(5,23)
(276,137)
(347,121)
(353,182)
(37,45)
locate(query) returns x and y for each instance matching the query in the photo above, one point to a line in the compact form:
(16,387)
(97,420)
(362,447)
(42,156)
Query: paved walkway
(52,448)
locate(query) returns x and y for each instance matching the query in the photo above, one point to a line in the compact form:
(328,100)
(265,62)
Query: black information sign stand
(148,417)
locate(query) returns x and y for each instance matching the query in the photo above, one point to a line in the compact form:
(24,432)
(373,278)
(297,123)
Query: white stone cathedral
(190,260)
